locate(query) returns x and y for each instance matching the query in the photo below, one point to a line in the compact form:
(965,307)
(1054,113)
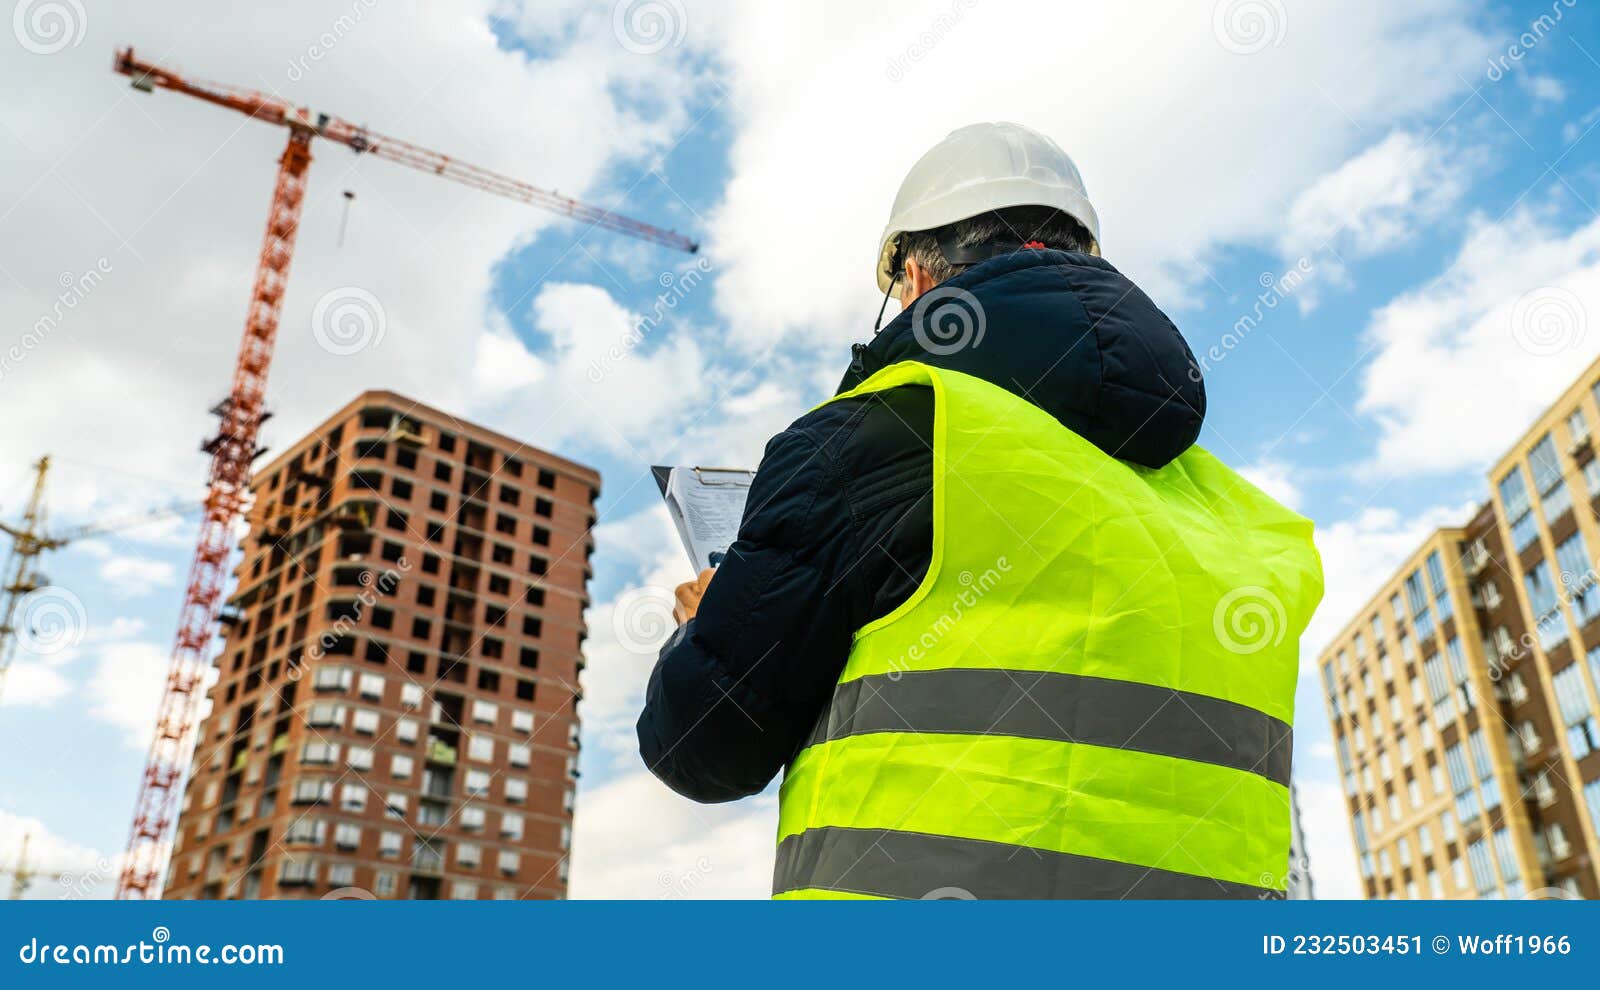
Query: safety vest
(1089,695)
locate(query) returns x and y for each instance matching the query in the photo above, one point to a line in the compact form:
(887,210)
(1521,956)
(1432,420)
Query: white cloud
(1324,817)
(1199,147)
(1275,478)
(1503,329)
(124,688)
(32,682)
(173,243)
(1545,89)
(62,869)
(128,573)
(638,840)
(1371,203)
(1358,555)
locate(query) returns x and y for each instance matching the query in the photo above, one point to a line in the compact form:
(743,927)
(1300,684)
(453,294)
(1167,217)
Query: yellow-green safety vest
(1090,694)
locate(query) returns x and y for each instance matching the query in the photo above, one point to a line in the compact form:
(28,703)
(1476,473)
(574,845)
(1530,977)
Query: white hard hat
(979,168)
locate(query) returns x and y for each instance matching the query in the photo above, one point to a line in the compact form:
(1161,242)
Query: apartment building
(396,708)
(1463,696)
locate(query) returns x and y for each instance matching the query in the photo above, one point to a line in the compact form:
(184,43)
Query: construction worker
(1009,631)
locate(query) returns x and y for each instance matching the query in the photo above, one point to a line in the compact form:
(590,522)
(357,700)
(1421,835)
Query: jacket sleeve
(738,688)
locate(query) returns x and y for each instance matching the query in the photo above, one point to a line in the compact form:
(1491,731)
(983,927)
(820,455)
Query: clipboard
(706,505)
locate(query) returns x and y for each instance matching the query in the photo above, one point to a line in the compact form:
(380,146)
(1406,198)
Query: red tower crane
(234,447)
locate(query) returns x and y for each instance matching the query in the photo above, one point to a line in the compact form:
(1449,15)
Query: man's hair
(1017,223)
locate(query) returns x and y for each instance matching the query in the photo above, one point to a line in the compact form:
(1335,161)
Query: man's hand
(689,594)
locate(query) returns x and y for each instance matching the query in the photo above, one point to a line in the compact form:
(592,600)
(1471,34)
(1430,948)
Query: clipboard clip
(747,474)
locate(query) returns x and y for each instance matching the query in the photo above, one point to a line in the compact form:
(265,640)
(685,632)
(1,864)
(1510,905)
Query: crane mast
(234,447)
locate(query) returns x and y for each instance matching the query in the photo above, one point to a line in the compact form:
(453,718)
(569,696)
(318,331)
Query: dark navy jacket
(838,527)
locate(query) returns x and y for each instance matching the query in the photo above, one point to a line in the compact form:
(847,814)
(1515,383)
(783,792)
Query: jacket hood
(1066,332)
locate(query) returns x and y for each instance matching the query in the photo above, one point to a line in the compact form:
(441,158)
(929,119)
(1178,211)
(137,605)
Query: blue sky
(1372,190)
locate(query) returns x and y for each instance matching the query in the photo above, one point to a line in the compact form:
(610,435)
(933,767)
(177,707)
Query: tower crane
(31,538)
(233,448)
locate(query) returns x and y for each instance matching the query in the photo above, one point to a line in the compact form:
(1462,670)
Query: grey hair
(1017,223)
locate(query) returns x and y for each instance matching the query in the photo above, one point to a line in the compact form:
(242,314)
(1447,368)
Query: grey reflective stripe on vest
(1065,708)
(913,865)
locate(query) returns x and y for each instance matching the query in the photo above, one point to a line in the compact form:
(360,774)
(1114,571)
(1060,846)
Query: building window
(317,753)
(401,766)
(1545,465)
(1549,620)
(347,836)
(1482,867)
(372,686)
(1582,733)
(1417,597)
(389,844)
(1578,578)
(509,861)
(383,883)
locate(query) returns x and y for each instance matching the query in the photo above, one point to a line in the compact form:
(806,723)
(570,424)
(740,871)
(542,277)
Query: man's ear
(915,282)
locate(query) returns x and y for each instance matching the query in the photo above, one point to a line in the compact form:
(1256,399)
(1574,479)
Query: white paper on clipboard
(706,505)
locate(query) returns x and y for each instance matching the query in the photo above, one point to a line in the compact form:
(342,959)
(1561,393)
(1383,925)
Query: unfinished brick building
(396,711)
